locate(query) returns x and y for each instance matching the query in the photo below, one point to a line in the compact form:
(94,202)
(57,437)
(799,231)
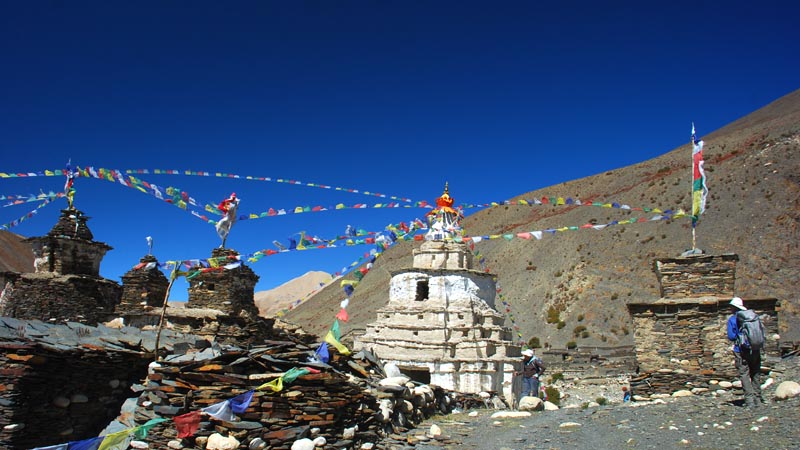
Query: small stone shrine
(440,325)
(143,287)
(221,305)
(228,286)
(66,285)
(682,337)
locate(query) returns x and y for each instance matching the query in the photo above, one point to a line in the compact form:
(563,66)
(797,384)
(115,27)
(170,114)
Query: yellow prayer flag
(115,440)
(275,385)
(331,339)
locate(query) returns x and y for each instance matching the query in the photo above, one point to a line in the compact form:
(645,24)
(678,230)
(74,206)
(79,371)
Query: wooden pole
(691,192)
(172,277)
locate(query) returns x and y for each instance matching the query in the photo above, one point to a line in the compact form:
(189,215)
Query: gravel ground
(696,422)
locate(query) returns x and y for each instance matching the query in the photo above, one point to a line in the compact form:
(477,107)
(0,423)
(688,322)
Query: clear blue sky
(496,98)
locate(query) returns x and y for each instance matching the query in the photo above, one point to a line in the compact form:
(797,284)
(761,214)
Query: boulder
(530,404)
(219,442)
(303,444)
(787,389)
(550,406)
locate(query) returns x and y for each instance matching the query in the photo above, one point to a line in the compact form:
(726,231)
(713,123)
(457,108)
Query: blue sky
(496,98)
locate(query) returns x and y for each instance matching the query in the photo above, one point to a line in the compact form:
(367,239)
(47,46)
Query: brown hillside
(274,300)
(15,255)
(753,209)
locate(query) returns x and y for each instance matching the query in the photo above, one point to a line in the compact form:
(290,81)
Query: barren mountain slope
(15,255)
(271,301)
(753,210)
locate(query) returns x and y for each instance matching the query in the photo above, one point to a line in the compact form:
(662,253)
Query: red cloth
(187,424)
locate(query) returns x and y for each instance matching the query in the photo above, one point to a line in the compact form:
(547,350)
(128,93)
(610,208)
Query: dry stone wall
(60,298)
(697,276)
(61,383)
(143,288)
(680,341)
(227,290)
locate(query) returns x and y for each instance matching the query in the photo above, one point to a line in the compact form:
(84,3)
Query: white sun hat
(737,302)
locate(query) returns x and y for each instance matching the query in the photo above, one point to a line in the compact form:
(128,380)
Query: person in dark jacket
(748,362)
(531,369)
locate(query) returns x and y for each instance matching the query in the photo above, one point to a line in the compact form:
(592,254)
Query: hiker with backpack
(532,369)
(747,333)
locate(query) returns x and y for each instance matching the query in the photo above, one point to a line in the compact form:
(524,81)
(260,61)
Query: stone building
(220,307)
(66,284)
(143,287)
(440,325)
(228,289)
(682,336)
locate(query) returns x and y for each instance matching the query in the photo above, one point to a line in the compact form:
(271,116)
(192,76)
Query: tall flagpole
(691,192)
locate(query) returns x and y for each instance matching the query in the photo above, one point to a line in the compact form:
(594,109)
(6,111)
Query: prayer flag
(699,188)
(187,424)
(240,403)
(322,353)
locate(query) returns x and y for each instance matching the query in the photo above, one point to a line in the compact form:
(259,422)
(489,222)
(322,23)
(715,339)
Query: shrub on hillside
(553,316)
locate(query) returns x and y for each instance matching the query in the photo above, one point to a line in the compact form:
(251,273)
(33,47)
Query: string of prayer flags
(699,188)
(251,178)
(227,409)
(333,337)
(27,216)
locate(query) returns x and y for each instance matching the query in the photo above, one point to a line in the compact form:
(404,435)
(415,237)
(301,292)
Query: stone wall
(60,298)
(697,276)
(61,383)
(67,256)
(328,400)
(210,324)
(689,338)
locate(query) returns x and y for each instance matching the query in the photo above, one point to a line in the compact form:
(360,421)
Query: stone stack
(230,290)
(61,383)
(343,403)
(697,276)
(66,285)
(682,337)
(143,287)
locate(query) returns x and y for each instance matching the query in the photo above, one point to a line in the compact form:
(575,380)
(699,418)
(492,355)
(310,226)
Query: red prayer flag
(187,424)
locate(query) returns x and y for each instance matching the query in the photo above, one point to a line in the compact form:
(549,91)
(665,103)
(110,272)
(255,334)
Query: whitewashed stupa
(440,325)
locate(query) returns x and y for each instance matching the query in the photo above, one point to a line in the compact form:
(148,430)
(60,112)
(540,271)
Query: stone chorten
(143,287)
(682,336)
(440,325)
(230,290)
(66,284)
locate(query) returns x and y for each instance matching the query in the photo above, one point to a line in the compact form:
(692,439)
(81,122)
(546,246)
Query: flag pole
(691,191)
(172,277)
